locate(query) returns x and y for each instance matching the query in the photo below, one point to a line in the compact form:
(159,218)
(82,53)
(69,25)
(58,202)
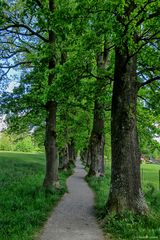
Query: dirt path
(73,218)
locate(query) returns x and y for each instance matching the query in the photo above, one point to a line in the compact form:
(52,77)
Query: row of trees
(79,60)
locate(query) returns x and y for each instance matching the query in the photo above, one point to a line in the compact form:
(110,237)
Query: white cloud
(2,123)
(11,86)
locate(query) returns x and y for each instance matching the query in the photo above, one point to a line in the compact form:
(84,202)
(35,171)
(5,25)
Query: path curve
(73,218)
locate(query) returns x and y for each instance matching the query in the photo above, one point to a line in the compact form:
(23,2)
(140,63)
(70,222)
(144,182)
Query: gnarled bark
(125,191)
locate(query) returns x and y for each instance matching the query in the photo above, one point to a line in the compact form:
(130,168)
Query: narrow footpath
(73,218)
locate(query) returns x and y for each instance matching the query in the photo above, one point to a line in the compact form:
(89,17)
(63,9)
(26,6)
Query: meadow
(24,205)
(150,175)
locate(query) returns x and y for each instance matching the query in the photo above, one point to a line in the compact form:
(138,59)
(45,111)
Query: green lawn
(129,226)
(24,205)
(150,175)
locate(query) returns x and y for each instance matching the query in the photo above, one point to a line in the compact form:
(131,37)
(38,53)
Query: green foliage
(152,196)
(25,145)
(19,143)
(81,28)
(149,120)
(24,204)
(6,144)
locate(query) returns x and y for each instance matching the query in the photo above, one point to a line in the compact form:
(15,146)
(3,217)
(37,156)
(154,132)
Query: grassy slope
(24,205)
(129,226)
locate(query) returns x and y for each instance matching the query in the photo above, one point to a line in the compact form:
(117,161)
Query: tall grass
(24,205)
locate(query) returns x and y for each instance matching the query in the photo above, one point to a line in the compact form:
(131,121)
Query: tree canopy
(86,70)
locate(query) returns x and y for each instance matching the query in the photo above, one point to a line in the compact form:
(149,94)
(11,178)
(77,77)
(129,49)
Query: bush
(6,143)
(17,143)
(25,145)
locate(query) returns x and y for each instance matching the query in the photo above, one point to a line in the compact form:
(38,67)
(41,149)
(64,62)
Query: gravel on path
(73,218)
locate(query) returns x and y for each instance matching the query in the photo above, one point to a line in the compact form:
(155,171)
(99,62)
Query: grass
(129,226)
(24,205)
(150,175)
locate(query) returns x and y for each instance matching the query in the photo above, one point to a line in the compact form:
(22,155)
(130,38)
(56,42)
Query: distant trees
(23,143)
(97,138)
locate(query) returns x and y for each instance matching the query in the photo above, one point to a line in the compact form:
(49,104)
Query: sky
(2,123)
(10,88)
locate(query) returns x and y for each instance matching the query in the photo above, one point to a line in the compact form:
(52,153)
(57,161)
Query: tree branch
(18,25)
(4,74)
(15,65)
(142,9)
(156,14)
(10,54)
(102,78)
(150,69)
(144,99)
(149,81)
(144,44)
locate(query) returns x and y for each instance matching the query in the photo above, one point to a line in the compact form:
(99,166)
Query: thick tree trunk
(125,191)
(51,177)
(97,141)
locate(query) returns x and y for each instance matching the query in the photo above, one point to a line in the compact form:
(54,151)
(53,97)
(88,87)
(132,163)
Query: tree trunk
(72,154)
(125,191)
(97,141)
(83,156)
(88,157)
(51,176)
(63,158)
